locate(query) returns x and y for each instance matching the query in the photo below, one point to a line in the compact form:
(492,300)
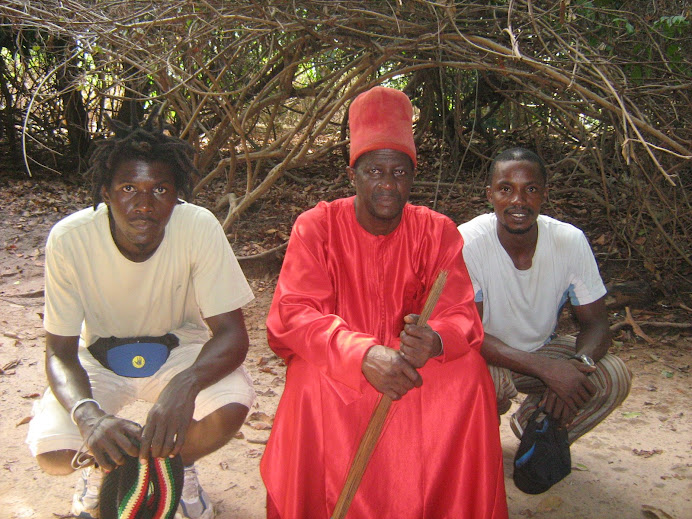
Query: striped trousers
(612,378)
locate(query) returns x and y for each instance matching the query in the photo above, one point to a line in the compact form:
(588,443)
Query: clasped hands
(568,389)
(110,438)
(394,372)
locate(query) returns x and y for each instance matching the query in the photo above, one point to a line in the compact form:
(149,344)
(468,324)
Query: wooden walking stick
(379,415)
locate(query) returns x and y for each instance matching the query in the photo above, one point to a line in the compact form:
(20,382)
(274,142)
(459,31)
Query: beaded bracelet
(78,403)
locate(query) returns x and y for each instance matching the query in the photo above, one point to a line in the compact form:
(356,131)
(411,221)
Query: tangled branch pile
(600,88)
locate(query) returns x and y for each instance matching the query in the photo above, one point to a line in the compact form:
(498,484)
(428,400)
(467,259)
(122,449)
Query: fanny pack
(134,357)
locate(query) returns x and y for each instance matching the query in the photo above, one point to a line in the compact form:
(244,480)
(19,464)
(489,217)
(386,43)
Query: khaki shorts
(51,428)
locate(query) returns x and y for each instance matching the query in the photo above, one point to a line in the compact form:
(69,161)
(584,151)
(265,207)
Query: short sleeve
(586,285)
(219,283)
(473,264)
(64,312)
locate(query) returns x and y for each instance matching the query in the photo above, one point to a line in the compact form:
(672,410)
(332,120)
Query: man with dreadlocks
(130,284)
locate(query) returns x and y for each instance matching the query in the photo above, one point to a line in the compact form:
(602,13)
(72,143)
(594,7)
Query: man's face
(517,191)
(140,198)
(383,180)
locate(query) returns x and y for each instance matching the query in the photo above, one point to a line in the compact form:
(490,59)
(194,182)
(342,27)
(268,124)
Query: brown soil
(638,463)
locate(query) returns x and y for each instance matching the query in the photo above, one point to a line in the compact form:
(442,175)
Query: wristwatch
(585,359)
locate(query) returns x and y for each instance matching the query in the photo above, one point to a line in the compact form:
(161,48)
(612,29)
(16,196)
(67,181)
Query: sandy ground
(638,463)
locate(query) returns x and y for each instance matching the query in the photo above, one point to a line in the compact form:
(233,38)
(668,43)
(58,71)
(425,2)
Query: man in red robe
(356,273)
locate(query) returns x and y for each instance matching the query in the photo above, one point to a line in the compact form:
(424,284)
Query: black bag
(543,456)
(133,356)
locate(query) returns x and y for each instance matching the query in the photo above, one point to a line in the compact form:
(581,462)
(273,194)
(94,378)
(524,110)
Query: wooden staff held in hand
(379,416)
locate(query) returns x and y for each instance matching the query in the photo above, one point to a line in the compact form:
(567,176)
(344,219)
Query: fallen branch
(10,365)
(23,305)
(262,255)
(636,327)
(35,293)
(655,324)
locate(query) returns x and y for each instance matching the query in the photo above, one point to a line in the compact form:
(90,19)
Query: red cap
(380,118)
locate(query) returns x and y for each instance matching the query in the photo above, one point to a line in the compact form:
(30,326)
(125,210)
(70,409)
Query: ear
(104,195)
(488,192)
(351,173)
(546,192)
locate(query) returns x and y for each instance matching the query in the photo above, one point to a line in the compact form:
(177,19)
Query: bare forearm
(169,418)
(215,361)
(498,353)
(67,378)
(220,356)
(594,335)
(594,341)
(69,383)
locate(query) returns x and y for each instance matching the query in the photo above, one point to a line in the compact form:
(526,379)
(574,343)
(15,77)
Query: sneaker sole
(516,427)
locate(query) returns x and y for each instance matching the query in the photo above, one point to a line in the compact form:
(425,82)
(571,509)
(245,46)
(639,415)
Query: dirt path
(638,463)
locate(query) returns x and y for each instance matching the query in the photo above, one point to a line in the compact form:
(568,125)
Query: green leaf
(667,374)
(631,414)
(628,26)
(673,51)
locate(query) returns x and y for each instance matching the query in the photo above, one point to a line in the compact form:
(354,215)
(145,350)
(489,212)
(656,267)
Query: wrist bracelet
(78,403)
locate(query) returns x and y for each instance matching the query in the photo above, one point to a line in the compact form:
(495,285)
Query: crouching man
(524,266)
(130,284)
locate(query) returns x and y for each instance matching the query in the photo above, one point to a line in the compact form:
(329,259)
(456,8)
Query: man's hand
(110,439)
(418,343)
(170,417)
(168,421)
(569,388)
(388,372)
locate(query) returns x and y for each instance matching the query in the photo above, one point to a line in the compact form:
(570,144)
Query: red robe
(341,291)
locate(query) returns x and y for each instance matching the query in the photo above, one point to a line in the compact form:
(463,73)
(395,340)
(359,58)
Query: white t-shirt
(93,290)
(521,307)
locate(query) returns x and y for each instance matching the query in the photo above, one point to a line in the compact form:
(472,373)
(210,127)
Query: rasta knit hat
(142,490)
(380,118)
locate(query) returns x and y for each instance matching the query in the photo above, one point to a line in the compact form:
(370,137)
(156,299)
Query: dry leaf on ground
(651,512)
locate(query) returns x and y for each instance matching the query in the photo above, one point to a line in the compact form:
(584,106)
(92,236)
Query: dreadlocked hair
(147,142)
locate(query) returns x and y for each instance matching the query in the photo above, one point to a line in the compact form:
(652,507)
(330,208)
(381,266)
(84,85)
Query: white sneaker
(85,502)
(194,503)
(516,427)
